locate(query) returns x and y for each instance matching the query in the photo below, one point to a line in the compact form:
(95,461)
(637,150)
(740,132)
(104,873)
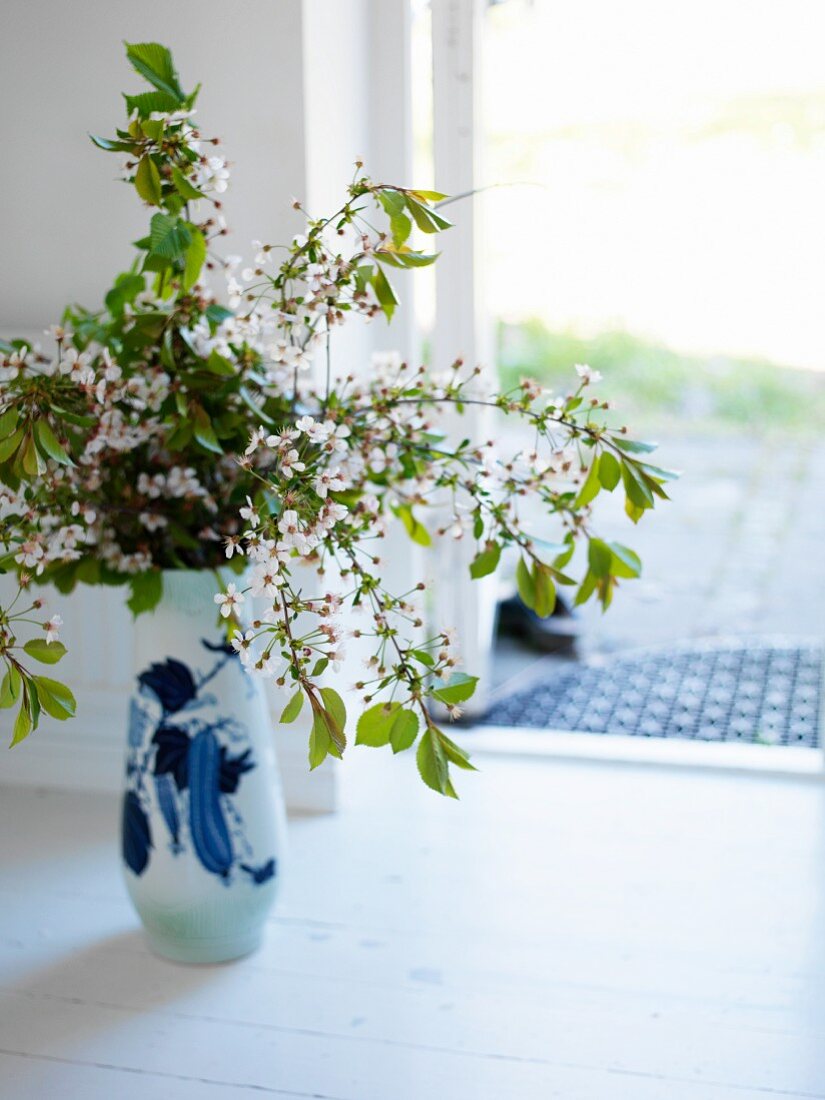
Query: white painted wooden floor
(568,930)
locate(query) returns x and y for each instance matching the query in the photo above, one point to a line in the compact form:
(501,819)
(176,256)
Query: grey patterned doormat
(760,692)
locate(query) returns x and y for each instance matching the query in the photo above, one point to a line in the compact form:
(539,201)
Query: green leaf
(633,446)
(416,530)
(600,557)
(55,698)
(111,146)
(9,446)
(195,257)
(458,689)
(526,584)
(204,432)
(154,63)
(293,707)
(217,364)
(427,219)
(432,763)
(633,510)
(48,653)
(319,741)
(400,225)
(215,314)
(50,445)
(637,490)
(590,490)
(169,236)
(147,181)
(375,725)
(337,713)
(384,293)
(404,730)
(455,754)
(545,590)
(486,561)
(147,103)
(30,459)
(8,422)
(610,472)
(22,726)
(320,666)
(10,688)
(126,289)
(185,189)
(428,196)
(146,589)
(626,563)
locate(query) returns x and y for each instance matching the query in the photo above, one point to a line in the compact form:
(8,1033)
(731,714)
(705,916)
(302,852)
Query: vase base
(224,949)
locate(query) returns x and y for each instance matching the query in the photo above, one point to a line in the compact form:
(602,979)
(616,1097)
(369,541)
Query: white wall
(65,225)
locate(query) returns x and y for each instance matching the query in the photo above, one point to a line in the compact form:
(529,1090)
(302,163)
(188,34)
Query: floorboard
(569,930)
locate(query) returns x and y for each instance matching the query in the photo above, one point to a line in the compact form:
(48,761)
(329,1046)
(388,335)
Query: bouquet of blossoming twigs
(170,431)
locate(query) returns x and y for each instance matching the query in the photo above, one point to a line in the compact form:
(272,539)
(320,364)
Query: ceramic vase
(203,817)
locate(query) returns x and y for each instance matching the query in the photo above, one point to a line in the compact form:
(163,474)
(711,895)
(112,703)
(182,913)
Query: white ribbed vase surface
(203,818)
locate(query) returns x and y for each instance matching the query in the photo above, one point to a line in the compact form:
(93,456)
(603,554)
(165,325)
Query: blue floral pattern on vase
(192,768)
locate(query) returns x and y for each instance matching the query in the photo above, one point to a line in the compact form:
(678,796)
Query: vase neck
(189,591)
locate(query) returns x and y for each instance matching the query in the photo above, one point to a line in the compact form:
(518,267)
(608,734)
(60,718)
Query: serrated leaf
(375,725)
(48,653)
(147,181)
(337,715)
(154,63)
(22,727)
(432,763)
(319,741)
(169,236)
(455,754)
(147,103)
(55,698)
(10,688)
(404,730)
(293,707)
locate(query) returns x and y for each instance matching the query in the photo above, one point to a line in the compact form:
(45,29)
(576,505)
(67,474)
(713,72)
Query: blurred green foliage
(657,389)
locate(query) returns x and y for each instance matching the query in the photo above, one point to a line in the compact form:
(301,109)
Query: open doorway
(651,206)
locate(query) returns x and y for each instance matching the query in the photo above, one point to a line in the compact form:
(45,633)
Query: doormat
(759,692)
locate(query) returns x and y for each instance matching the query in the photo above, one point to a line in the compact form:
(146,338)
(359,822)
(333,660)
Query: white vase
(203,817)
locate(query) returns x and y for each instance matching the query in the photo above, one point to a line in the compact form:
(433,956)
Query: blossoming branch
(168,430)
